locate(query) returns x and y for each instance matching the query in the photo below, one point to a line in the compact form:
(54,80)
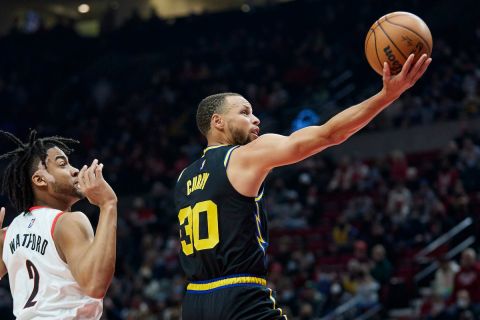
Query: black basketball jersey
(222,232)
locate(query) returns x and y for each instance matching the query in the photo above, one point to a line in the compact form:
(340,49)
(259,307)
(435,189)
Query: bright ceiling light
(83,8)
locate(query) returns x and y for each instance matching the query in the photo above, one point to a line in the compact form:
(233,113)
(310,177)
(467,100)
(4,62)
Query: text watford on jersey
(30,241)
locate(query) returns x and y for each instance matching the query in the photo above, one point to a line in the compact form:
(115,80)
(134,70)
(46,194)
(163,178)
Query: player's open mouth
(256,132)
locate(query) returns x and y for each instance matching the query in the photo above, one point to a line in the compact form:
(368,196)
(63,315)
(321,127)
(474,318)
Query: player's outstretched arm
(3,268)
(91,259)
(269,151)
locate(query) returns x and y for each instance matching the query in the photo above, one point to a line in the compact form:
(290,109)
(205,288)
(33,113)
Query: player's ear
(217,121)
(39,179)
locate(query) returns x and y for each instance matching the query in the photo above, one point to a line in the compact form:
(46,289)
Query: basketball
(393,37)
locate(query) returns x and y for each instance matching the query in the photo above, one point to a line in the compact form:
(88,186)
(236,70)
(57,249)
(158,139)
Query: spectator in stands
(444,280)
(343,176)
(382,269)
(336,296)
(468,278)
(459,201)
(366,289)
(311,301)
(360,252)
(463,309)
(306,311)
(446,177)
(433,307)
(470,153)
(399,203)
(470,164)
(350,279)
(398,167)
(341,235)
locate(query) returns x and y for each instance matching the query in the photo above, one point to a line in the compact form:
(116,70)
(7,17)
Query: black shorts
(242,301)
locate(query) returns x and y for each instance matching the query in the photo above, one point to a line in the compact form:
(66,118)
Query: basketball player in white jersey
(57,267)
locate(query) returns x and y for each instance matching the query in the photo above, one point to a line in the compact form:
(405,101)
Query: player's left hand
(94,186)
(394,86)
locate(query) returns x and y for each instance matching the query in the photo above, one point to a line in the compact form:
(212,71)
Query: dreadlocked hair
(17,175)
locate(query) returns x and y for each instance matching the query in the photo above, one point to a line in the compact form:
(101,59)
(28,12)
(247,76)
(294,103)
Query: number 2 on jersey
(190,227)
(33,274)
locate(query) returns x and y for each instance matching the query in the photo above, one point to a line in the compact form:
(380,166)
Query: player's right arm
(254,160)
(250,163)
(3,268)
(90,258)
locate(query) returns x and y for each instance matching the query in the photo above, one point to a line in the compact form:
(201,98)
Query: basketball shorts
(231,298)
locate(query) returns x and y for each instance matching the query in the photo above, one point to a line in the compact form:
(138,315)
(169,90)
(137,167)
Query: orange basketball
(393,37)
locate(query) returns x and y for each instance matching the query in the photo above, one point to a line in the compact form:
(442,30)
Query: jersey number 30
(190,227)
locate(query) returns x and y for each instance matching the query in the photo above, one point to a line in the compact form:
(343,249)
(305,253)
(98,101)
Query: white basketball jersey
(42,286)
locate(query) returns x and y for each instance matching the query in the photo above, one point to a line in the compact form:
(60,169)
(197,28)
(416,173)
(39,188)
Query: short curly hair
(208,106)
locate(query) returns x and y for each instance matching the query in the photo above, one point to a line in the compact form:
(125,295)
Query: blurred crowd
(455,291)
(360,223)
(341,229)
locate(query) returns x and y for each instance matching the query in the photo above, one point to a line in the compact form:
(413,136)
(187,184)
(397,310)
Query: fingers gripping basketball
(395,36)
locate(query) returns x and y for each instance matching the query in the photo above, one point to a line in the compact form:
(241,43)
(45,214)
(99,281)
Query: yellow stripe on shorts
(205,286)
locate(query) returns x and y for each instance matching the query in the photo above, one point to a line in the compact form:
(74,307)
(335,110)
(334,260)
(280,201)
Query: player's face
(242,124)
(60,176)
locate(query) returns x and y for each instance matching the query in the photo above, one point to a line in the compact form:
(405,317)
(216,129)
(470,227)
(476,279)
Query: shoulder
(264,145)
(74,217)
(71,223)
(257,154)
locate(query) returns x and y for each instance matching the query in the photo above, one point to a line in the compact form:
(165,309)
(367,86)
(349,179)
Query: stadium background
(125,78)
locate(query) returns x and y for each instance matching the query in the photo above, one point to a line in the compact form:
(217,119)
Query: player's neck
(217,142)
(52,203)
(218,139)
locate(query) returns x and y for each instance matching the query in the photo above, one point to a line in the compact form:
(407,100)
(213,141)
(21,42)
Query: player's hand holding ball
(394,86)
(398,46)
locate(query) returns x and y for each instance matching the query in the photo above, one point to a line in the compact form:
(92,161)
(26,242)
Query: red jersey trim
(37,207)
(54,223)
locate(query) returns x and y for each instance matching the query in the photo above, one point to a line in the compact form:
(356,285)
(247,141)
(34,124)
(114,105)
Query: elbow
(336,138)
(97,288)
(96,293)
(333,135)
(339,140)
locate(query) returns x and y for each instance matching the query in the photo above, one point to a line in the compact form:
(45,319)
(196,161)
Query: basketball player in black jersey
(222,223)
